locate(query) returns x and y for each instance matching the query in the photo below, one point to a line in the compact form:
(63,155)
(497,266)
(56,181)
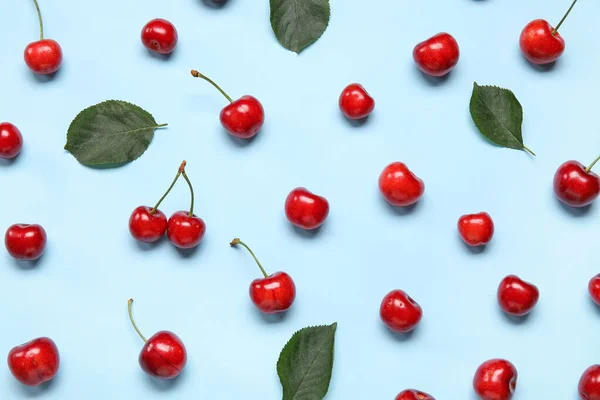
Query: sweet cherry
(576,185)
(437,55)
(159,36)
(589,384)
(476,229)
(517,297)
(355,102)
(45,55)
(399,186)
(11,140)
(412,394)
(242,118)
(184,229)
(272,294)
(495,380)
(540,43)
(400,312)
(594,289)
(25,241)
(34,362)
(306,209)
(163,355)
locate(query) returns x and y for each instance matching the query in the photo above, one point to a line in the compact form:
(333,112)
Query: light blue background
(77,293)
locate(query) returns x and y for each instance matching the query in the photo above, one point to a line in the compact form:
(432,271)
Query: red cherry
(495,380)
(163,355)
(437,55)
(305,209)
(589,384)
(517,297)
(412,394)
(272,294)
(25,242)
(400,312)
(11,140)
(476,229)
(399,185)
(575,185)
(147,224)
(44,56)
(355,102)
(594,289)
(184,230)
(242,118)
(159,36)
(34,362)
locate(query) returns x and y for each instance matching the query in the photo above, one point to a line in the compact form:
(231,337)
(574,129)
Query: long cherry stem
(527,149)
(555,31)
(197,74)
(237,241)
(589,168)
(39,13)
(191,214)
(179,172)
(129,303)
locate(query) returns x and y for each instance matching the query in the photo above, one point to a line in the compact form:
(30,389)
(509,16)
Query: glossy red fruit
(159,36)
(437,55)
(476,229)
(495,380)
(44,56)
(576,185)
(272,294)
(400,312)
(11,140)
(516,296)
(412,394)
(146,225)
(34,362)
(306,209)
(355,102)
(25,241)
(399,186)
(539,45)
(594,289)
(163,356)
(589,384)
(184,230)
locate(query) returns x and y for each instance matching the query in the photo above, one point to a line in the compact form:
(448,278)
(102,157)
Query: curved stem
(589,168)
(39,13)
(527,149)
(564,17)
(181,167)
(191,214)
(133,322)
(237,241)
(197,74)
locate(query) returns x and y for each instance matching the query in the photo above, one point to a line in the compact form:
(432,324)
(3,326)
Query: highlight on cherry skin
(35,362)
(242,118)
(159,36)
(305,209)
(163,355)
(476,229)
(412,394)
(495,379)
(44,56)
(438,55)
(11,140)
(576,185)
(516,296)
(273,293)
(399,312)
(399,186)
(355,102)
(25,242)
(589,384)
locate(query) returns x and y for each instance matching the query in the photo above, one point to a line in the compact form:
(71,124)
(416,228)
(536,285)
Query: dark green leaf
(112,132)
(299,23)
(498,115)
(306,362)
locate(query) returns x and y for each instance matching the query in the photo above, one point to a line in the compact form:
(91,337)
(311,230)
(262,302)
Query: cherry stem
(39,13)
(555,31)
(161,125)
(589,168)
(237,241)
(527,149)
(197,74)
(129,303)
(191,192)
(181,167)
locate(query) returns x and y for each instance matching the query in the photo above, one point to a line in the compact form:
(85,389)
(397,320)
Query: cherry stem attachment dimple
(197,74)
(237,241)
(181,168)
(39,13)
(589,168)
(527,149)
(129,303)
(555,30)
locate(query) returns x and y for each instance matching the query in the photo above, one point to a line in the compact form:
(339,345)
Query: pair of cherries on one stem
(184,229)
(45,55)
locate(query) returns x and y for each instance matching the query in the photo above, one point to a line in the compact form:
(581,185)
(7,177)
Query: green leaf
(306,362)
(111,133)
(299,23)
(498,115)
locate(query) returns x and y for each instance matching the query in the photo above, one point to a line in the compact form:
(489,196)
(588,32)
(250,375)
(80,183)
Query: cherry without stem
(594,289)
(399,312)
(412,394)
(305,209)
(575,184)
(272,294)
(45,55)
(242,118)
(495,379)
(476,229)
(438,55)
(399,186)
(516,296)
(589,383)
(355,102)
(159,36)
(34,362)
(25,242)
(11,140)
